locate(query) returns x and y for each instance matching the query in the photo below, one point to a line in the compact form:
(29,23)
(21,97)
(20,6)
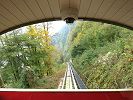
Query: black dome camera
(69,20)
(69,15)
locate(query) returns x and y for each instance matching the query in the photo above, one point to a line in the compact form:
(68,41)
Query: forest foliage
(28,59)
(102,54)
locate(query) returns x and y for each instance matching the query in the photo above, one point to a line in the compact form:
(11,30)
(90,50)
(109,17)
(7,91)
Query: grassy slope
(52,82)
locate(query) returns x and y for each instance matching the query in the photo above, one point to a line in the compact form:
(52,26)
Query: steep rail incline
(71,79)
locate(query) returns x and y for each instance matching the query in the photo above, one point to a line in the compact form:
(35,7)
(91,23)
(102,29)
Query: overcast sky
(56,26)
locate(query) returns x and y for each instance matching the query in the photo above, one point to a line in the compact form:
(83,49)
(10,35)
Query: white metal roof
(17,13)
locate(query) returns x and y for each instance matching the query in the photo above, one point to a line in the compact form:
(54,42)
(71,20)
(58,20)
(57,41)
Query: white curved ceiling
(17,13)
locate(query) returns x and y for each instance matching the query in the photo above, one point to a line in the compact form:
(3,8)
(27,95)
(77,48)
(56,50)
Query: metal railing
(71,79)
(78,80)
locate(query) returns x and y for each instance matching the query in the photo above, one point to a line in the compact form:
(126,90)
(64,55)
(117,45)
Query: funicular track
(71,79)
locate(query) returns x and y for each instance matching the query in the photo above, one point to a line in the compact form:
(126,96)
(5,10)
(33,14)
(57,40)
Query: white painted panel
(115,8)
(34,8)
(64,4)
(54,5)
(84,6)
(104,8)
(22,6)
(12,8)
(126,8)
(8,17)
(75,4)
(45,8)
(94,7)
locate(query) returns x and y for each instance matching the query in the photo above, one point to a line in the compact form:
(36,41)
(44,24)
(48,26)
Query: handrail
(79,81)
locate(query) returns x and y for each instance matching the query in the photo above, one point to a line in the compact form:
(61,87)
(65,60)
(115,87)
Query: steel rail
(71,79)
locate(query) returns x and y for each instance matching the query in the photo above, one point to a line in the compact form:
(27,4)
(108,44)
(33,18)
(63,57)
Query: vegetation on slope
(27,60)
(102,54)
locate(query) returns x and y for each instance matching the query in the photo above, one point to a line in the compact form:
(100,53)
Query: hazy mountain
(59,38)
